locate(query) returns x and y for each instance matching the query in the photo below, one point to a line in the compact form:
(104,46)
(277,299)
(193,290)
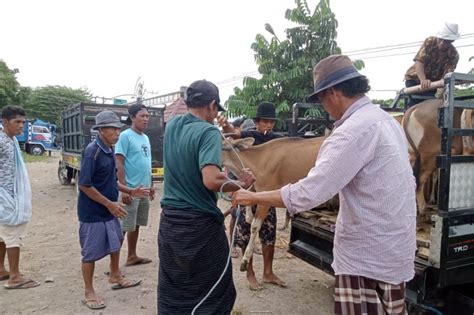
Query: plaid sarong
(356,295)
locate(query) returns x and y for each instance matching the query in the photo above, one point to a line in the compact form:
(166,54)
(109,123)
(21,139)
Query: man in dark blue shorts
(98,210)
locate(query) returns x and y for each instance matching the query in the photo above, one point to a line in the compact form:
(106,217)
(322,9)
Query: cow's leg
(254,229)
(248,215)
(260,215)
(287,221)
(427,167)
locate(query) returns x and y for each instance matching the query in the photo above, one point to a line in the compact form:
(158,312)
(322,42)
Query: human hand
(243,197)
(141,192)
(126,198)
(117,210)
(152,193)
(246,177)
(226,126)
(425,84)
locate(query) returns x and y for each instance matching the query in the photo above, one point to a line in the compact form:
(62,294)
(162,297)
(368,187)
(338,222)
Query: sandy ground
(51,255)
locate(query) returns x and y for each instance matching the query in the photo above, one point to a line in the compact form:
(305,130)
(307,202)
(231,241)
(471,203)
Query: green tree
(8,85)
(47,102)
(286,66)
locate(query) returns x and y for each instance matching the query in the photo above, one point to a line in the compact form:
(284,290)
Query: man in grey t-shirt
(11,236)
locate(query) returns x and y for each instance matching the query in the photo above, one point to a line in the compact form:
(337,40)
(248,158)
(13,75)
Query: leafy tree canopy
(286,65)
(47,102)
(9,86)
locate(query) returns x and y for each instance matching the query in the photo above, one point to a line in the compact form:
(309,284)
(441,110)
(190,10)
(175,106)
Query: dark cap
(266,110)
(331,71)
(201,93)
(106,119)
(133,110)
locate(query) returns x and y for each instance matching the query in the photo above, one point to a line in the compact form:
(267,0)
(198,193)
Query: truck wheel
(36,149)
(63,175)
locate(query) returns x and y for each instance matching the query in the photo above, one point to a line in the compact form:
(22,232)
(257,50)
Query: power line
(231,80)
(398,45)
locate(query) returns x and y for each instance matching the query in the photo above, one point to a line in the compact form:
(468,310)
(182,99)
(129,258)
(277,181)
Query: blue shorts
(99,239)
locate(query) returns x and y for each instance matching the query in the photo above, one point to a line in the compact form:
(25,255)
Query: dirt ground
(51,255)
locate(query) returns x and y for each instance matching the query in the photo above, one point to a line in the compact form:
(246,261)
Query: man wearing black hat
(192,244)
(365,160)
(133,156)
(264,123)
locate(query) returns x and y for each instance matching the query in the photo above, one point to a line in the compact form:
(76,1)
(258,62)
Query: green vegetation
(43,102)
(286,65)
(28,158)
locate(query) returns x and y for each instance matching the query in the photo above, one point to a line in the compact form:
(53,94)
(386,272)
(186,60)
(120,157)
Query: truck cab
(37,137)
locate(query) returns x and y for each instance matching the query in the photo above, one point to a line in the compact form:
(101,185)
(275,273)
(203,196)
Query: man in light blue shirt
(133,155)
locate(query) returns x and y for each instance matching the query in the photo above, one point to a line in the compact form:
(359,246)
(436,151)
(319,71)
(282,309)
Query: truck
(37,137)
(77,121)
(444,263)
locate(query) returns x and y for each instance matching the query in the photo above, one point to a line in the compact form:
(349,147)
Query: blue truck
(38,136)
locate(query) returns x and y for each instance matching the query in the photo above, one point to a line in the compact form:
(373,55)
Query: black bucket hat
(266,110)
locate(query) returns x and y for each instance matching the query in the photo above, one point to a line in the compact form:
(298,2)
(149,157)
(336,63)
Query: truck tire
(63,173)
(35,149)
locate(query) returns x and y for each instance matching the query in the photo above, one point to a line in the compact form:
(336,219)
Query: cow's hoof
(244,265)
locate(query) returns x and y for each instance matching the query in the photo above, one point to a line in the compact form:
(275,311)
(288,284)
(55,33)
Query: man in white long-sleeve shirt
(365,160)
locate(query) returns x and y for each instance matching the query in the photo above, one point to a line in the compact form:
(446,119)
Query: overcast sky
(106,46)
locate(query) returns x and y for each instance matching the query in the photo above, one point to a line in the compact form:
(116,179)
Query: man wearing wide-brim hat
(98,208)
(365,160)
(436,57)
(265,120)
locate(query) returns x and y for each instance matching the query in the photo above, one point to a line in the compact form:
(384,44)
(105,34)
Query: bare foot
(234,253)
(253,283)
(131,261)
(273,279)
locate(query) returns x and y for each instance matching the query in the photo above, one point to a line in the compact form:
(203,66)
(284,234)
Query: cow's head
(231,153)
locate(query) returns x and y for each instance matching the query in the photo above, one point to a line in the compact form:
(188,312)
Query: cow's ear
(244,143)
(227,144)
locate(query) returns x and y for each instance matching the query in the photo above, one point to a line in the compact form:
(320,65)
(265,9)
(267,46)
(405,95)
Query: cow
(420,124)
(280,162)
(466,123)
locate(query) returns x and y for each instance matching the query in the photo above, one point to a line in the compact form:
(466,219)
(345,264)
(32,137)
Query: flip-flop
(94,304)
(126,284)
(107,273)
(27,284)
(4,277)
(140,261)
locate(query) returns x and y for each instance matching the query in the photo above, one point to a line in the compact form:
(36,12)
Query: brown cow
(280,162)
(420,124)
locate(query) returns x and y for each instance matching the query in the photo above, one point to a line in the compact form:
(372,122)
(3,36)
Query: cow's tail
(417,164)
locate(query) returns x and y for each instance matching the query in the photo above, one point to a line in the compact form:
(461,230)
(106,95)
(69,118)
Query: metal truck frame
(77,122)
(444,278)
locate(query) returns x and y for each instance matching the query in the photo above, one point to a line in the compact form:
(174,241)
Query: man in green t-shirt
(192,245)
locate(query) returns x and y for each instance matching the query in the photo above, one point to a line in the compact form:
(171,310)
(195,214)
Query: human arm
(420,72)
(140,191)
(214,179)
(228,127)
(114,207)
(120,163)
(264,198)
